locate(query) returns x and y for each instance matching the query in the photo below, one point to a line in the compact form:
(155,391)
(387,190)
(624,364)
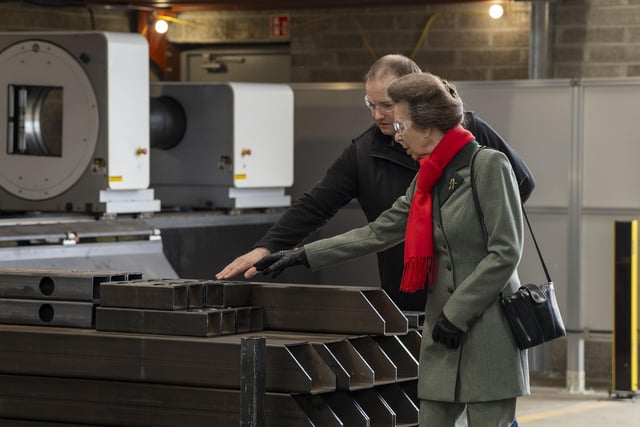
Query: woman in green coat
(469,362)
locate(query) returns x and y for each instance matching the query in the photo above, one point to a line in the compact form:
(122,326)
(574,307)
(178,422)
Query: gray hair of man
(432,101)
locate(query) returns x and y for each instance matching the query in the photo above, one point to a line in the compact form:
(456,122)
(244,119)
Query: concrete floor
(554,406)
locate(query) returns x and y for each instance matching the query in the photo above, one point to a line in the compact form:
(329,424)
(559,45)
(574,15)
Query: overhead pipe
(540,40)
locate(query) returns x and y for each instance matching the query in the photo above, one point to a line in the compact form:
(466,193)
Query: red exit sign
(279,26)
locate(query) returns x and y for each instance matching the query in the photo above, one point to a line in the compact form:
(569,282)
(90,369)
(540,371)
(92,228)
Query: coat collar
(451,179)
(385,147)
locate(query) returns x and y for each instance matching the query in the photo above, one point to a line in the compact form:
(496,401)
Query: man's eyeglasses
(385,107)
(399,127)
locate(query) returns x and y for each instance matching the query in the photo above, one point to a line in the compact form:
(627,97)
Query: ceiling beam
(181,5)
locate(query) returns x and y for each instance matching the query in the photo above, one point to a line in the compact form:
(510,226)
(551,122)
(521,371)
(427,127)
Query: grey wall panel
(327,117)
(535,118)
(611,143)
(551,232)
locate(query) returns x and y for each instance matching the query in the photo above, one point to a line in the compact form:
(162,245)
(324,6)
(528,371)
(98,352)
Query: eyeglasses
(399,127)
(384,107)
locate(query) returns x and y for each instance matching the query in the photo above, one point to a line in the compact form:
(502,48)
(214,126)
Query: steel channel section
(359,361)
(318,411)
(396,321)
(331,309)
(411,341)
(379,411)
(42,284)
(313,364)
(415,318)
(411,390)
(361,373)
(405,409)
(116,403)
(212,362)
(319,375)
(406,364)
(383,367)
(343,378)
(386,405)
(47,313)
(347,409)
(352,370)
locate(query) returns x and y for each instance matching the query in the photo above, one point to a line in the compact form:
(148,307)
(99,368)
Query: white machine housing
(74,122)
(237,149)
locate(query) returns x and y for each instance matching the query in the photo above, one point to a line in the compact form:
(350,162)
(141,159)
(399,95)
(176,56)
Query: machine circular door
(48,120)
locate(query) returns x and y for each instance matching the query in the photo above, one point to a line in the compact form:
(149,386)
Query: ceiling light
(496,11)
(161,26)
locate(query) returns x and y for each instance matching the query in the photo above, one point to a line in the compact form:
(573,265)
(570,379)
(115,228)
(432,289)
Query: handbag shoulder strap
(476,201)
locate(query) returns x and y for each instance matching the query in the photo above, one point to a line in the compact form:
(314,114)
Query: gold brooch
(452,183)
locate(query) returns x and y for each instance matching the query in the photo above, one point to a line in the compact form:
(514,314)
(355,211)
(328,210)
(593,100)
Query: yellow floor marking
(585,406)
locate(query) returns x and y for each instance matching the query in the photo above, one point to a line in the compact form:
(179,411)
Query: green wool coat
(470,276)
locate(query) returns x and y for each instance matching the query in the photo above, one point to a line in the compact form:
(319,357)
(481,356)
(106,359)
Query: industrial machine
(74,153)
(221,145)
(74,123)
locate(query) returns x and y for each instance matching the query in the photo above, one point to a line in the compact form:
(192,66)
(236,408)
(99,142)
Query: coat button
(450,289)
(448,267)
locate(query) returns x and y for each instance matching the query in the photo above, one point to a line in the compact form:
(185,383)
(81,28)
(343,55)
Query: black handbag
(532,311)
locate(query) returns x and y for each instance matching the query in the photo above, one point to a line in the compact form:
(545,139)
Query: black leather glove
(446,333)
(278,261)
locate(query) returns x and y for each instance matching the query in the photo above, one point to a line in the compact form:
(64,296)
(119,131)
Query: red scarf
(418,247)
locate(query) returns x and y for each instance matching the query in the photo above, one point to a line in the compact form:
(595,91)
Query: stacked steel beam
(177,307)
(335,356)
(53,297)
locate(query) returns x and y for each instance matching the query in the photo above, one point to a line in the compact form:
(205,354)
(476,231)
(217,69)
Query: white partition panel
(611,143)
(552,235)
(535,118)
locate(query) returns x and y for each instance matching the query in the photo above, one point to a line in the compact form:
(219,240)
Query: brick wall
(461,42)
(19,16)
(597,38)
(593,38)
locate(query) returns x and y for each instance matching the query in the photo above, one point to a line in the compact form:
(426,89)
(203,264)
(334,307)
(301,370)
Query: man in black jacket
(374,170)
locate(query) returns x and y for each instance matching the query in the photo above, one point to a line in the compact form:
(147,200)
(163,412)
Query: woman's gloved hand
(278,261)
(446,333)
